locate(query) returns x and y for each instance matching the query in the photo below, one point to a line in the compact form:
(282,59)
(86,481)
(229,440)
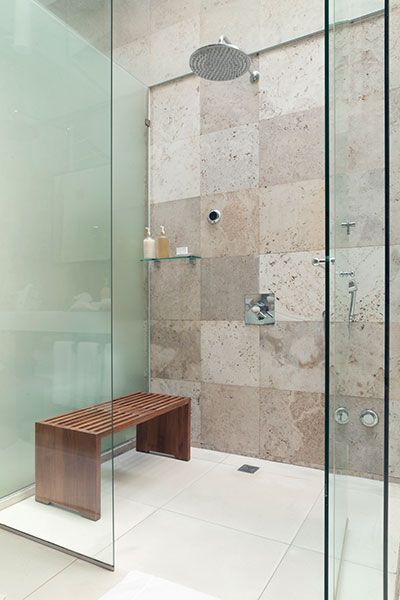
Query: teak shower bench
(68,447)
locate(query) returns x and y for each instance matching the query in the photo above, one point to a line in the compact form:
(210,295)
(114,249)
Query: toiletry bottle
(162,244)
(149,245)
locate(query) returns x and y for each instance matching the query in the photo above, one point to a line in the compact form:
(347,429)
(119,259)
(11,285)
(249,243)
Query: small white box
(182,251)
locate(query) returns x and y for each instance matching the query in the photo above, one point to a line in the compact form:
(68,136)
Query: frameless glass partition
(56,270)
(363,551)
(393,364)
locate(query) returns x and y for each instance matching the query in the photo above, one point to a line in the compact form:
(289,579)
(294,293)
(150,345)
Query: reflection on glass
(55,298)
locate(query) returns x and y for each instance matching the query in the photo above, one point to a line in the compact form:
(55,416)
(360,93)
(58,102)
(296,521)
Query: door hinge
(147,122)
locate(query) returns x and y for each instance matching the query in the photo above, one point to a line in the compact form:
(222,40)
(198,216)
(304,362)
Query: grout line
(51,578)
(289,547)
(308,516)
(222,526)
(161,507)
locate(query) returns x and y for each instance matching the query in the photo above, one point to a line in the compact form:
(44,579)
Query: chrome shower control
(369,418)
(259,309)
(321,262)
(342,416)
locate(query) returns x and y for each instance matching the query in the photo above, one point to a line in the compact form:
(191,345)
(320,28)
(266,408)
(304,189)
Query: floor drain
(248,469)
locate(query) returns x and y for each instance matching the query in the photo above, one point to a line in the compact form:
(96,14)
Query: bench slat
(102,419)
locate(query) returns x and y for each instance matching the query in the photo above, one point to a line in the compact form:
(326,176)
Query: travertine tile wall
(255,152)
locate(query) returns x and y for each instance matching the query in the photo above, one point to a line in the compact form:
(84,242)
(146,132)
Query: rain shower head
(221,62)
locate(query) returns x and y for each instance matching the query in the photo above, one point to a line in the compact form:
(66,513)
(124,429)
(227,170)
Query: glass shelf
(190,257)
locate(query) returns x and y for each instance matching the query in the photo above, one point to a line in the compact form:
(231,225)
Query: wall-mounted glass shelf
(191,257)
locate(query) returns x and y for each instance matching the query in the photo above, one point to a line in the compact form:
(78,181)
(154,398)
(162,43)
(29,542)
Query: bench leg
(68,470)
(167,434)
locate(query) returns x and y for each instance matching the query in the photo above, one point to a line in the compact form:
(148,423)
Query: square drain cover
(248,469)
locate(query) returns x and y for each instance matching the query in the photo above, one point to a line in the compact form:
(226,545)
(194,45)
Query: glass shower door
(357,311)
(55,293)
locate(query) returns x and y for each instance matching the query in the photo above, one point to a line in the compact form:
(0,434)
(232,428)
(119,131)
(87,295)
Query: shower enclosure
(74,324)
(363,293)
(73,157)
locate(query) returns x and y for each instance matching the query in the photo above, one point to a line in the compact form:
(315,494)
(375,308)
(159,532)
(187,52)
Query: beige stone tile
(359,449)
(292,148)
(239,20)
(284,20)
(359,59)
(395,360)
(298,286)
(175,111)
(230,159)
(165,13)
(360,144)
(303,226)
(175,350)
(135,59)
(227,104)
(394,438)
(358,359)
(175,171)
(224,284)
(292,427)
(181,219)
(292,78)
(359,199)
(395,285)
(369,274)
(395,166)
(237,232)
(171,48)
(131,20)
(183,388)
(292,356)
(230,418)
(394,41)
(175,291)
(230,353)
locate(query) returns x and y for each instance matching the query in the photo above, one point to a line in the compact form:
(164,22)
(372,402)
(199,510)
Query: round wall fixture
(214,216)
(369,418)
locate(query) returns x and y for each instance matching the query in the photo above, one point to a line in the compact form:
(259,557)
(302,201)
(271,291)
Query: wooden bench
(68,447)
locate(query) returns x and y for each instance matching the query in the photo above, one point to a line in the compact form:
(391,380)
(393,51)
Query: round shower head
(219,62)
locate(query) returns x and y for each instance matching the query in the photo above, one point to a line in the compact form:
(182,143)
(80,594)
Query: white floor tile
(80,581)
(211,455)
(364,540)
(215,560)
(25,565)
(311,534)
(263,504)
(154,480)
(141,586)
(358,582)
(70,530)
(300,576)
(276,468)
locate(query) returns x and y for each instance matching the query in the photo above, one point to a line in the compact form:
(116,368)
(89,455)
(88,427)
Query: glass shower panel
(357,317)
(394,329)
(55,264)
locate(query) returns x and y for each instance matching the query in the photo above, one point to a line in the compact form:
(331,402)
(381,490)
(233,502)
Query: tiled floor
(203,525)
